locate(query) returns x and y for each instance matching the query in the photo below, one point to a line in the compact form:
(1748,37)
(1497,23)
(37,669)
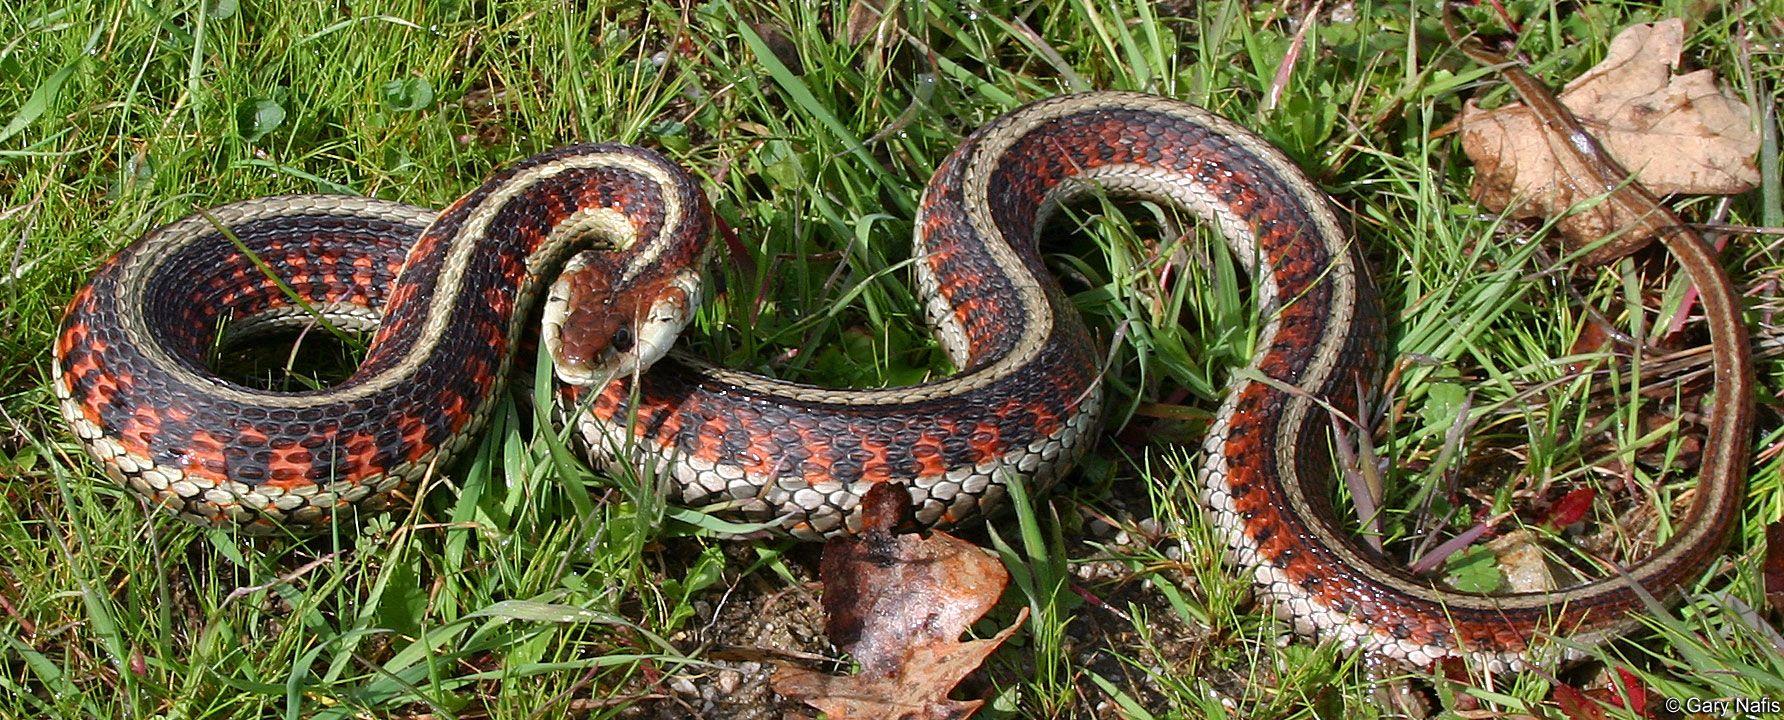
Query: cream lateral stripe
(603,222)
(346,316)
(445,293)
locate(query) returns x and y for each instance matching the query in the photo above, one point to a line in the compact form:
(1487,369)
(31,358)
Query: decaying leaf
(1576,704)
(1677,133)
(1640,110)
(866,19)
(1773,573)
(898,603)
(1628,693)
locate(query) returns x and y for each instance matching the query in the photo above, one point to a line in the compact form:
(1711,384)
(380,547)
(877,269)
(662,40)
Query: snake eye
(622,339)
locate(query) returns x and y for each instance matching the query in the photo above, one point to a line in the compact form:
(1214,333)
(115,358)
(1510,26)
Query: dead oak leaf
(898,603)
(1677,133)
(1640,110)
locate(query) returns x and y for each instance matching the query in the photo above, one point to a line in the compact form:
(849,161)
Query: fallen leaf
(775,38)
(1632,695)
(1578,704)
(898,604)
(865,20)
(1575,704)
(1677,133)
(1592,339)
(1640,110)
(1772,574)
(1571,508)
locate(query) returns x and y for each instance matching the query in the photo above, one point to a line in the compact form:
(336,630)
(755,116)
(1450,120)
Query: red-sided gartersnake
(453,292)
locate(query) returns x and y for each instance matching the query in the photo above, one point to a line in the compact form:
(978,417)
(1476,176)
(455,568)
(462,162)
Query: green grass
(527,586)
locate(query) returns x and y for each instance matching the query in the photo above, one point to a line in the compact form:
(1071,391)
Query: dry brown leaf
(864,20)
(898,603)
(1772,576)
(1677,133)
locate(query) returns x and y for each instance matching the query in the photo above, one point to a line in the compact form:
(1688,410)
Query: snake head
(600,325)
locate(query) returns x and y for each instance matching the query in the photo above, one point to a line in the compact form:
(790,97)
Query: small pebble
(729,681)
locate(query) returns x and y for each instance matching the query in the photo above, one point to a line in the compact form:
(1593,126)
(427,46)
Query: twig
(1429,561)
(287,578)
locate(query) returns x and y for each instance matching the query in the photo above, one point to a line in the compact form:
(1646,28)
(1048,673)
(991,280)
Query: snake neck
(523,223)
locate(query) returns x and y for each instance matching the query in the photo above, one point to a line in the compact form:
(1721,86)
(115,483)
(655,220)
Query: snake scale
(449,295)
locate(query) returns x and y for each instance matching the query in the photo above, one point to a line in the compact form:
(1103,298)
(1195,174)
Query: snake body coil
(448,296)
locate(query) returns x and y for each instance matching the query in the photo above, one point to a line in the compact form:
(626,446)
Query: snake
(600,246)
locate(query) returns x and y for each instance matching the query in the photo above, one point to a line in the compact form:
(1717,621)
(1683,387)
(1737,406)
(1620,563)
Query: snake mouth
(597,329)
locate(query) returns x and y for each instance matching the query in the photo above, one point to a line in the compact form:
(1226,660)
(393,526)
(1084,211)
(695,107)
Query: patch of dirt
(745,629)
(742,631)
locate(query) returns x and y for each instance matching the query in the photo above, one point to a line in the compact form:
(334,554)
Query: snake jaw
(597,329)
